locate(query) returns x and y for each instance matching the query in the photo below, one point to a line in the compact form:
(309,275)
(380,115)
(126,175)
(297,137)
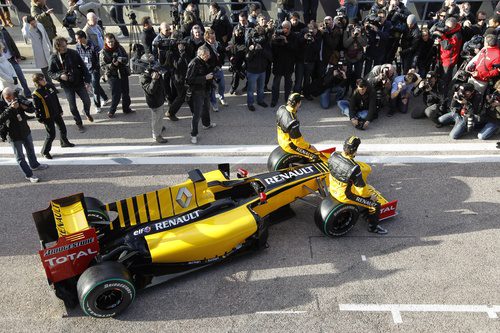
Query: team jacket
(288,127)
(483,63)
(348,180)
(451,43)
(46,103)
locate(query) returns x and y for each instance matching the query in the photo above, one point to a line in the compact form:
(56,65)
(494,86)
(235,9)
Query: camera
(216,69)
(309,37)
(132,16)
(239,31)
(374,19)
(117,57)
(22,100)
(361,123)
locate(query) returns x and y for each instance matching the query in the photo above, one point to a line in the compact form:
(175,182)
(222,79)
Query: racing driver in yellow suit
(289,137)
(348,183)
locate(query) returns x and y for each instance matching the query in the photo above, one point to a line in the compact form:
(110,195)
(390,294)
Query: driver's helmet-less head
(294,99)
(351,145)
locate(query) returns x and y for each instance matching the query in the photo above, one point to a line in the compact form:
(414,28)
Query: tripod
(134,32)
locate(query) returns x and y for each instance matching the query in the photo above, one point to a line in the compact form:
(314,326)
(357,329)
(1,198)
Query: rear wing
(388,210)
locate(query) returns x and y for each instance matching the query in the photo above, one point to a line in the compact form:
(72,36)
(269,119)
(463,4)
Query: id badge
(86,60)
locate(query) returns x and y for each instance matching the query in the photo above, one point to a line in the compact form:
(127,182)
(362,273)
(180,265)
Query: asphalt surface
(442,248)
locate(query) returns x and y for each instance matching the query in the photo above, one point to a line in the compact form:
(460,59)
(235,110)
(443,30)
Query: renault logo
(184,197)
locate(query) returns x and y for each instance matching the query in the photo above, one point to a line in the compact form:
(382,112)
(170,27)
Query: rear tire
(105,290)
(334,218)
(95,212)
(280,159)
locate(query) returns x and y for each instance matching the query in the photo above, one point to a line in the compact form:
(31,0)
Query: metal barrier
(152,6)
(12,7)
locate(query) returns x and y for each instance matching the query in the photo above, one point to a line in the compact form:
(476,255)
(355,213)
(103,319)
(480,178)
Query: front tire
(334,218)
(105,290)
(280,159)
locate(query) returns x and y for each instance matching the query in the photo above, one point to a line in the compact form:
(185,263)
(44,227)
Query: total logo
(387,209)
(145,230)
(71,256)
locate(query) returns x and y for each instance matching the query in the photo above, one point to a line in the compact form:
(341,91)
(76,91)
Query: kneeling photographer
(14,125)
(361,107)
(433,101)
(464,111)
(491,114)
(154,89)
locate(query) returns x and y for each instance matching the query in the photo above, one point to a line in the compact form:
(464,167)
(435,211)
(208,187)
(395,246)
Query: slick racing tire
(105,290)
(94,211)
(334,218)
(280,159)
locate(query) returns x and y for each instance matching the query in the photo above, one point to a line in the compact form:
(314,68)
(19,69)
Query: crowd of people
(363,62)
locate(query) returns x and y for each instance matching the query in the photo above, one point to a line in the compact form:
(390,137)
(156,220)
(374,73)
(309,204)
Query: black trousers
(119,90)
(179,99)
(50,126)
(200,107)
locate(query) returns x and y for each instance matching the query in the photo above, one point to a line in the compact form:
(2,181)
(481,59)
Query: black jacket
(180,64)
(216,57)
(153,89)
(283,59)
(195,76)
(111,70)
(9,42)
(222,26)
(47,106)
(410,41)
(147,38)
(71,64)
(359,102)
(430,97)
(15,120)
(312,49)
(258,59)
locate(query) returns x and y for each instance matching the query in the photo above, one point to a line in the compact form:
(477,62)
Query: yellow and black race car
(100,262)
(98,254)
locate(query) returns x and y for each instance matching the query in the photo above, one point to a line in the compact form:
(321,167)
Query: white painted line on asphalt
(363,258)
(396,309)
(258,149)
(280,312)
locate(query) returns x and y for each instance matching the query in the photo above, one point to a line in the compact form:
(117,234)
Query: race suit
(348,184)
(289,137)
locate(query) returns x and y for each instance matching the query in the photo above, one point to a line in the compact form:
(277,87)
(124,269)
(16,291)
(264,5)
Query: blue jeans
(255,80)
(71,96)
(344,109)
(96,86)
(325,98)
(276,87)
(487,131)
(20,76)
(460,127)
(17,146)
(221,86)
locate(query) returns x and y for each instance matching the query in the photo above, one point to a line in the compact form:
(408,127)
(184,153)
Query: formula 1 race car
(99,262)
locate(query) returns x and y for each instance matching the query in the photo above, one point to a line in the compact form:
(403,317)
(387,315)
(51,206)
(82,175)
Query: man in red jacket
(450,43)
(482,64)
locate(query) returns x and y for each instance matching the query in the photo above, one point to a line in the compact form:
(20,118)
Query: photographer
(297,25)
(491,114)
(397,13)
(90,56)
(378,31)
(312,50)
(427,54)
(284,45)
(355,41)
(148,34)
(483,66)
(164,48)
(400,92)
(180,63)
(154,90)
(361,107)
(257,59)
(220,23)
(377,6)
(114,64)
(49,112)
(334,82)
(380,80)
(237,50)
(216,61)
(450,43)
(332,40)
(194,41)
(285,8)
(14,124)
(67,67)
(199,79)
(464,111)
(451,8)
(429,89)
(410,42)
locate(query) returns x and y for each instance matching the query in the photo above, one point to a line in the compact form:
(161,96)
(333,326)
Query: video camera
(374,20)
(117,57)
(132,17)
